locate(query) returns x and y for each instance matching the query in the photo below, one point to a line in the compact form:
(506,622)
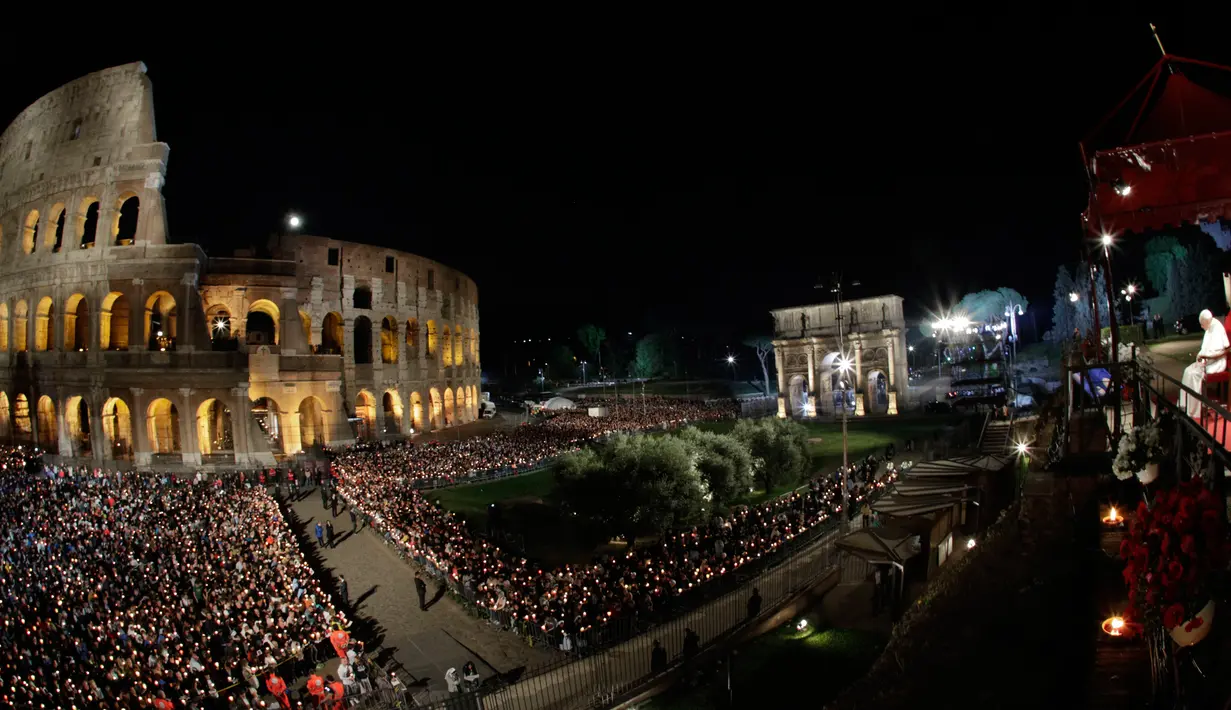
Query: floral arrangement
(1170,552)
(1139,447)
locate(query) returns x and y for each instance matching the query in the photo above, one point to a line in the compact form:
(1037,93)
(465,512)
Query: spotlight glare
(1106,239)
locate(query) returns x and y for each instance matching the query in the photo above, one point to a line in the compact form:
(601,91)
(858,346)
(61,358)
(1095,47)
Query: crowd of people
(549,435)
(573,599)
(124,589)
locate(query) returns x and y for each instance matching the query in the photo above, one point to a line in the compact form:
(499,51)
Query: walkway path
(424,643)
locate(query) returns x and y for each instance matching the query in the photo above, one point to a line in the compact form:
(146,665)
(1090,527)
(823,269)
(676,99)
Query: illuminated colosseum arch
(311,422)
(362,338)
(87,222)
(113,322)
(162,424)
(48,434)
(459,352)
(388,340)
(269,418)
(391,402)
(262,324)
(446,345)
(468,392)
(435,407)
(77,418)
(55,235)
(412,339)
(433,337)
(21,329)
(474,346)
(214,432)
(5,421)
(29,232)
(117,427)
(416,411)
(76,323)
(221,327)
(127,213)
(305,321)
(331,334)
(449,411)
(21,418)
(160,321)
(365,414)
(4,327)
(44,325)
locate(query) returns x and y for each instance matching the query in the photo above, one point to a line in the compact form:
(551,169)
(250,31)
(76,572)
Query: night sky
(644,182)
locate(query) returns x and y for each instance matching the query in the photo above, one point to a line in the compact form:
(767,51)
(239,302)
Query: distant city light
(1073,297)
(970,544)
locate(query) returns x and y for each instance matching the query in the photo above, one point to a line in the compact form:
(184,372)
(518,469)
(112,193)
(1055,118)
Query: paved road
(425,643)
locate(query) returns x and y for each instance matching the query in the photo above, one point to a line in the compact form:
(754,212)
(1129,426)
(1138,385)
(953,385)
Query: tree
(724,463)
(779,449)
(764,347)
(983,306)
(648,360)
(633,484)
(1083,317)
(1063,313)
(564,363)
(592,337)
(1186,276)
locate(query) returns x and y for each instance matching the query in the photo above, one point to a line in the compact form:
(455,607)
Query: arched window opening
(60,217)
(261,327)
(305,320)
(76,324)
(21,330)
(388,340)
(446,345)
(331,335)
(77,416)
(469,403)
(449,421)
(214,435)
(458,350)
(113,323)
(436,406)
(432,336)
(5,421)
(21,418)
(117,427)
(363,341)
(29,232)
(163,426)
(44,325)
(268,419)
(88,223)
(311,422)
(48,433)
(474,346)
(160,321)
(127,212)
(4,327)
(416,411)
(392,404)
(221,328)
(365,416)
(361,297)
(412,339)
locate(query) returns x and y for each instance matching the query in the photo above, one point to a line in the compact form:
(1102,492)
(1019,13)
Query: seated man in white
(1212,358)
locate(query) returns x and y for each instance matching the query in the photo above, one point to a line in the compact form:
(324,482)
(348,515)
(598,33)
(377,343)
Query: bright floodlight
(961,323)
(801,625)
(730,359)
(911,348)
(844,365)
(1106,239)
(1132,288)
(970,544)
(293,221)
(1022,447)
(1073,297)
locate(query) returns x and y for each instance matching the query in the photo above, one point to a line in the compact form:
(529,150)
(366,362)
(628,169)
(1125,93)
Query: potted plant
(1138,455)
(1171,552)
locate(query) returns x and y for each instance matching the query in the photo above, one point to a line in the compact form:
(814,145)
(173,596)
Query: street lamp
(583,372)
(844,367)
(731,362)
(1073,297)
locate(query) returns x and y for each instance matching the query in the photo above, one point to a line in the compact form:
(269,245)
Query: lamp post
(910,356)
(731,362)
(583,372)
(1011,312)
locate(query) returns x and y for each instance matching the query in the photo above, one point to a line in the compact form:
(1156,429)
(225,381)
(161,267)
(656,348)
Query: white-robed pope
(1211,359)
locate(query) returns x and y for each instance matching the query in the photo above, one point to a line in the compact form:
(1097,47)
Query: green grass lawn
(473,500)
(782,667)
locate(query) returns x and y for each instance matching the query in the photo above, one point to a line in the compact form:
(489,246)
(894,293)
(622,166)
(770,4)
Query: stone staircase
(995,439)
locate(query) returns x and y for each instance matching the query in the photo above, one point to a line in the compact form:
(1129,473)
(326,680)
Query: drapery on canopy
(1162,157)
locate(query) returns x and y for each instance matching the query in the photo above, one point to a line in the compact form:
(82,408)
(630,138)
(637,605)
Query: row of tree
(642,484)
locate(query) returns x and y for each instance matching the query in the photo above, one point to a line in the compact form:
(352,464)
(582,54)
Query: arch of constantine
(116,345)
(807,351)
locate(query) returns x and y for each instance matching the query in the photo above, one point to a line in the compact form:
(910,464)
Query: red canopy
(1169,165)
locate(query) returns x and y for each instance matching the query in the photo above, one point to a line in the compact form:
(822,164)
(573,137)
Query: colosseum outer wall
(108,344)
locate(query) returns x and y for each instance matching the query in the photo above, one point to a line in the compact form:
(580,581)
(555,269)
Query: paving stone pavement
(424,643)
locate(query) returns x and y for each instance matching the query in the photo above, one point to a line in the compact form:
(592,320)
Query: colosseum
(119,346)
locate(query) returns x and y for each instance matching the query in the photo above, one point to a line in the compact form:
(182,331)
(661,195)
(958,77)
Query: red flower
(1194,623)
(1188,545)
(1175,571)
(1173,616)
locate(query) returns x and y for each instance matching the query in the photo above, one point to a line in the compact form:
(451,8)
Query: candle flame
(1112,518)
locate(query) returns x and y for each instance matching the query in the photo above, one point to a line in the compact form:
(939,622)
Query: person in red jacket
(339,693)
(340,640)
(316,686)
(161,702)
(277,688)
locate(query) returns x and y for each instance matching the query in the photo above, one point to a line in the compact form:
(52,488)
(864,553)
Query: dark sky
(700,177)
